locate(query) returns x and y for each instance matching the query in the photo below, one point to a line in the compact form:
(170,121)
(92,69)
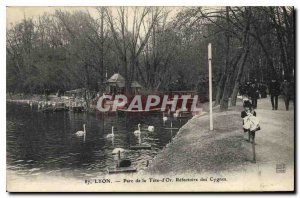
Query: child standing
(250,123)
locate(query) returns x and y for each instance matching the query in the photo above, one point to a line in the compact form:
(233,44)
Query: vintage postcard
(150,99)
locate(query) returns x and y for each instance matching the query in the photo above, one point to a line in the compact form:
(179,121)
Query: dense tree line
(67,50)
(249,43)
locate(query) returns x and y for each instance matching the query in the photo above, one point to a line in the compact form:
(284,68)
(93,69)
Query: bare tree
(129,44)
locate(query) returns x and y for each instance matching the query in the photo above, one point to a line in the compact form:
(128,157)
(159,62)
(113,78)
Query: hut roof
(116,78)
(136,84)
(119,80)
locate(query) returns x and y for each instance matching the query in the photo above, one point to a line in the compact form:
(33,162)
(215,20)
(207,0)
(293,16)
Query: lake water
(46,143)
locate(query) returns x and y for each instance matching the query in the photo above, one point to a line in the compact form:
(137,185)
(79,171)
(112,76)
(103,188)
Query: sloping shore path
(224,151)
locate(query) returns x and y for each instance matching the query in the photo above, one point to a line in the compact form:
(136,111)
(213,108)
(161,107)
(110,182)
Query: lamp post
(211,127)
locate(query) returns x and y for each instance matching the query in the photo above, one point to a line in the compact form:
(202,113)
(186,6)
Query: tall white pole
(211,127)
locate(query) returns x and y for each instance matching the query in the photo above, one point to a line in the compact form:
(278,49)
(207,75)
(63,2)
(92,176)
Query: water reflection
(46,142)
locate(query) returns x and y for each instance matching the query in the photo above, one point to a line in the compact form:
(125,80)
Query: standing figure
(274,90)
(263,90)
(250,124)
(285,90)
(254,94)
(242,91)
(247,88)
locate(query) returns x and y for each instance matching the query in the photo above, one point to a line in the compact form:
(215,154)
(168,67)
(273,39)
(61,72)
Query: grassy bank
(195,149)
(198,149)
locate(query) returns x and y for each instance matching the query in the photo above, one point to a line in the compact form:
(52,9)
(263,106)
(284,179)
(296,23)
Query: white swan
(81,133)
(177,113)
(150,128)
(137,132)
(165,118)
(111,135)
(169,111)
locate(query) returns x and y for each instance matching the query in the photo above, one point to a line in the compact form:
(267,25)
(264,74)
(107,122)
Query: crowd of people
(254,90)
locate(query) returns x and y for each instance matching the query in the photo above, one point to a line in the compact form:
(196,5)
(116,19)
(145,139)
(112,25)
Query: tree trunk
(226,93)
(238,80)
(228,87)
(102,52)
(227,75)
(220,88)
(241,66)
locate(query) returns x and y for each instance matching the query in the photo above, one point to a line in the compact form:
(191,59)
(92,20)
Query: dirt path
(226,151)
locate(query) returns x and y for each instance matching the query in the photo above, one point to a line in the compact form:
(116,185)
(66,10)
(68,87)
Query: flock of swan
(137,132)
(117,151)
(81,133)
(112,135)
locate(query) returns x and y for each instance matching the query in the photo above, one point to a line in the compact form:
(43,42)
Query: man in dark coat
(274,90)
(254,94)
(242,90)
(263,90)
(285,90)
(247,88)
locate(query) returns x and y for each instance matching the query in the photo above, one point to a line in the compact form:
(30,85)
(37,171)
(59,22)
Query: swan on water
(137,132)
(81,133)
(111,135)
(169,111)
(165,118)
(150,128)
(177,113)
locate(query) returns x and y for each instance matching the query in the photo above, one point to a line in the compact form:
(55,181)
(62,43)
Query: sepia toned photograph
(150,99)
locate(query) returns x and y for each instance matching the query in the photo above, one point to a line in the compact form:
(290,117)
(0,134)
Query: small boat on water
(55,107)
(47,109)
(140,111)
(60,107)
(76,109)
(140,147)
(132,111)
